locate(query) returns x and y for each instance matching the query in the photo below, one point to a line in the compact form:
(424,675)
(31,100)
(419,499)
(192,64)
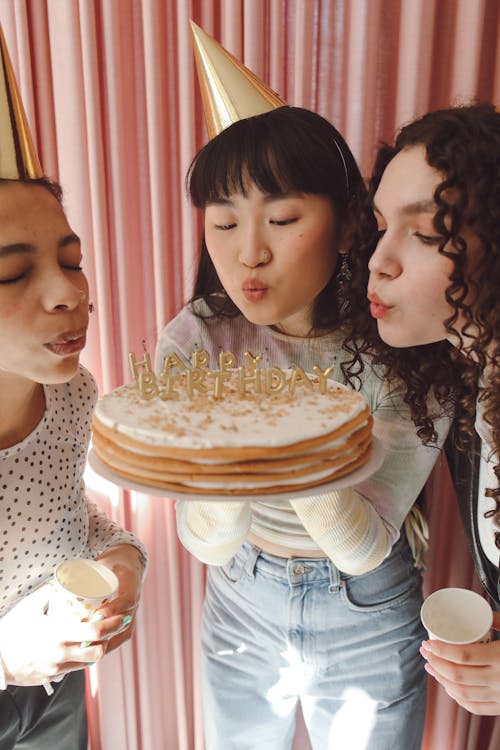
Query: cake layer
(237,477)
(277,483)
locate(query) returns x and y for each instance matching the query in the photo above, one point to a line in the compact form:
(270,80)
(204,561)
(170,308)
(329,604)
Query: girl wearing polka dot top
(46,400)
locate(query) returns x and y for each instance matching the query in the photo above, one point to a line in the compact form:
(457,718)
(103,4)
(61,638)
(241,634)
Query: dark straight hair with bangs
(286,150)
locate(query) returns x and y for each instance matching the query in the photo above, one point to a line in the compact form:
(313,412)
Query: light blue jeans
(276,631)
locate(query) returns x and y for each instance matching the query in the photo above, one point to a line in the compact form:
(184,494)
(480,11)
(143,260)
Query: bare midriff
(281,551)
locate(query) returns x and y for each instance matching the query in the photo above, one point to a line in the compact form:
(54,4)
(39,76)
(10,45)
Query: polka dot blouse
(44,516)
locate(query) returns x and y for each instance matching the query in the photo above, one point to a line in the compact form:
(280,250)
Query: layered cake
(233,431)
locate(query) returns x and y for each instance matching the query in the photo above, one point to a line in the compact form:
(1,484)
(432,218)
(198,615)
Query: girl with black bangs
(433,286)
(314,599)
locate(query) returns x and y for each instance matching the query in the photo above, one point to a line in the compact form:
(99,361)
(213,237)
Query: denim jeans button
(298,570)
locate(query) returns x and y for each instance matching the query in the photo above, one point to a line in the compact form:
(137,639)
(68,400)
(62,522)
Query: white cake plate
(348,480)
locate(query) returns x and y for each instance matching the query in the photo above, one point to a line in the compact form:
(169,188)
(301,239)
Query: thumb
(496,620)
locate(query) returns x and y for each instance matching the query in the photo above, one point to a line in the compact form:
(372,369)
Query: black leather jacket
(464,469)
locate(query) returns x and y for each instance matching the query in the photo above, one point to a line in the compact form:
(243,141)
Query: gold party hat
(18,157)
(229,91)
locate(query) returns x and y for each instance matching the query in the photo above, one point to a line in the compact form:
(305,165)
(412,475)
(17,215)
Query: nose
(62,292)
(254,251)
(384,260)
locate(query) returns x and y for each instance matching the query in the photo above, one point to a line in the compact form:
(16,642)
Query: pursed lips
(377,308)
(68,342)
(253,289)
(253,284)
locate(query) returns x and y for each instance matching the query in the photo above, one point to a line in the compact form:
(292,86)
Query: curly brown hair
(463,145)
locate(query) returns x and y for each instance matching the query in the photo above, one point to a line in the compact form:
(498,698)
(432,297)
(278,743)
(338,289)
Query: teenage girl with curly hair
(434,276)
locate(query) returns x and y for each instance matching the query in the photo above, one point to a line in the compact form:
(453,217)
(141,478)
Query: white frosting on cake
(234,421)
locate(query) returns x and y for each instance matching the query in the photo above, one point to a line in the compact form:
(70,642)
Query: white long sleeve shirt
(45,517)
(355,527)
(487,525)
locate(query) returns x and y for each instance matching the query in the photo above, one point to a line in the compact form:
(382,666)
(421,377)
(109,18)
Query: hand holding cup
(455,615)
(79,588)
(459,654)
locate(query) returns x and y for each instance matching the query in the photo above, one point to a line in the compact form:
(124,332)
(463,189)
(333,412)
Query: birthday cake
(234,431)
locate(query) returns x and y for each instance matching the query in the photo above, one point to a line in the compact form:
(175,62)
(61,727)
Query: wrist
(124,556)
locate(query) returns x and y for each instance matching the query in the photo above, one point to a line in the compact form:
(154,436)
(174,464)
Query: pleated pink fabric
(112,99)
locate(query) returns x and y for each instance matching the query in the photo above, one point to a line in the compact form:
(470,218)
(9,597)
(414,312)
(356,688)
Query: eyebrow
(70,239)
(26,247)
(419,207)
(268,198)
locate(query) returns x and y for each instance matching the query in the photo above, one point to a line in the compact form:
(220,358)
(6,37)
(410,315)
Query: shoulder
(373,380)
(80,392)
(181,335)
(83,386)
(72,402)
(195,328)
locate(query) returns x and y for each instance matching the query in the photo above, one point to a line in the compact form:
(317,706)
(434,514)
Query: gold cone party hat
(18,157)
(229,91)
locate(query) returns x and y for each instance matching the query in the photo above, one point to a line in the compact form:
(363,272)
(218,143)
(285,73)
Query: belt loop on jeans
(251,561)
(334,574)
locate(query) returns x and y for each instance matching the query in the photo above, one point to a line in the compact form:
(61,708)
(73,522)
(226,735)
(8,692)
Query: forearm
(125,557)
(213,531)
(347,528)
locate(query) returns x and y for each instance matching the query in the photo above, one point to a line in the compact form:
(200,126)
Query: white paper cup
(80,586)
(457,616)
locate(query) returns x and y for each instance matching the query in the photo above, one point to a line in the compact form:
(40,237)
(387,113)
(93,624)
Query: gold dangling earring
(345,271)
(344,276)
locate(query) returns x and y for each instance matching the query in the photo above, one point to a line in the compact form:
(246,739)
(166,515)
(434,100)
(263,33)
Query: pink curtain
(112,99)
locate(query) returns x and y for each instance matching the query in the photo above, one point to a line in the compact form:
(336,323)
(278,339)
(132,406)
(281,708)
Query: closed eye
(224,227)
(13,280)
(428,239)
(283,222)
(70,257)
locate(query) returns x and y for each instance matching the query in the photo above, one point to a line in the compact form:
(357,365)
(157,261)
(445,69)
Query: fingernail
(127,620)
(97,617)
(85,644)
